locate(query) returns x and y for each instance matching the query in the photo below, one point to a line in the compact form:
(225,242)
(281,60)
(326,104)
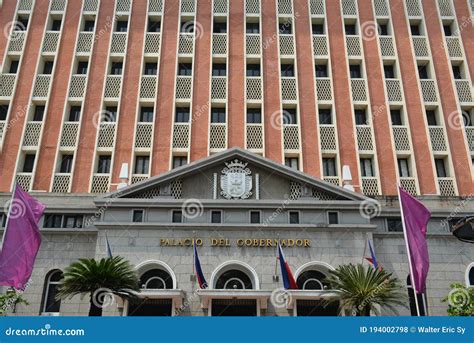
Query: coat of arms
(236,181)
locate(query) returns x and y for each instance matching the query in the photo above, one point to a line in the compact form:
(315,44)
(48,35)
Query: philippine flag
(197,267)
(372,259)
(288,278)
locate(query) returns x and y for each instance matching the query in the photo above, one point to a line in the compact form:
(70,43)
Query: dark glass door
(316,308)
(150,307)
(234,307)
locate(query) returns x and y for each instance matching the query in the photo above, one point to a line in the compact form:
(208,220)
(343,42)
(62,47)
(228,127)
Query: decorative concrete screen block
(152,43)
(119,43)
(144,135)
(288,88)
(420,45)
(181,136)
(291,137)
(188,6)
(50,41)
(2,128)
(254,88)
(100,183)
(454,47)
(78,86)
(370,186)
(428,89)
(445,9)
(470,137)
(285,7)
(58,5)
(359,90)
(220,6)
(123,5)
(353,46)
(464,89)
(219,87)
(381,8)
(323,89)
(183,87)
(219,43)
(287,46)
(446,186)
(61,183)
(409,184)
(327,135)
(438,139)
(106,137)
(69,135)
(41,88)
(84,42)
(155,6)
(349,7)
(254,136)
(413,8)
(332,179)
(252,6)
(32,133)
(24,180)
(394,90)
(364,137)
(25,5)
(317,7)
(218,136)
(252,44)
(113,85)
(186,43)
(401,138)
(295,191)
(91,5)
(138,178)
(148,87)
(320,45)
(17,40)
(7,83)
(319,194)
(386,46)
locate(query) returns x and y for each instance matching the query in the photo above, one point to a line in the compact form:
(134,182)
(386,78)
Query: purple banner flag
(21,240)
(416,216)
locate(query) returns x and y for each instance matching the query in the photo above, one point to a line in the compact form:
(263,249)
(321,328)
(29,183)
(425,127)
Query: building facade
(324,104)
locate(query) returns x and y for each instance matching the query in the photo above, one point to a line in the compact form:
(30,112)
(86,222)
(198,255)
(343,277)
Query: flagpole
(408,254)
(365,247)
(8,215)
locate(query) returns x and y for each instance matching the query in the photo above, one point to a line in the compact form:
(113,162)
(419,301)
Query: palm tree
(101,279)
(361,289)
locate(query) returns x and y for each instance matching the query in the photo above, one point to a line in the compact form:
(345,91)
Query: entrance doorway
(150,307)
(234,307)
(316,308)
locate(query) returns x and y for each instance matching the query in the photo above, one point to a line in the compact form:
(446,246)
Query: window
(254,217)
(389,71)
(185,69)
(431,118)
(329,166)
(177,217)
(73,221)
(333,218)
(321,70)
(116,68)
(325,117)
(13,67)
(219,27)
(74,113)
(396,117)
(423,72)
(470,275)
(28,163)
(355,72)
(179,161)
(154,26)
(254,116)
(219,69)
(66,163)
(21,24)
(3,111)
(360,117)
(383,29)
(457,72)
(292,162)
(49,303)
(151,68)
(89,25)
(187,27)
(53,221)
(138,216)
(121,26)
(447,30)
(253,69)
(350,29)
(394,225)
(103,166)
(48,67)
(285,28)
(415,30)
(289,116)
(218,115)
(110,114)
(294,217)
(182,115)
(287,70)
(252,28)
(403,167)
(142,164)
(440,167)
(82,67)
(366,169)
(39,113)
(216,217)
(146,114)
(56,25)
(318,29)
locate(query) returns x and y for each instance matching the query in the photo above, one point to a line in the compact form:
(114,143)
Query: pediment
(235,174)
